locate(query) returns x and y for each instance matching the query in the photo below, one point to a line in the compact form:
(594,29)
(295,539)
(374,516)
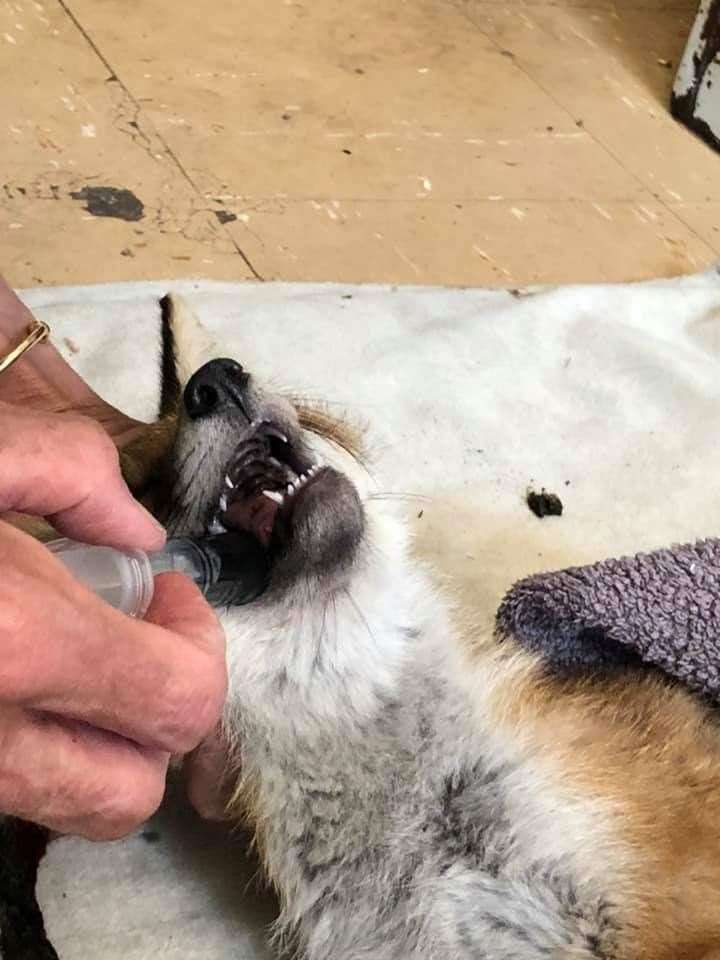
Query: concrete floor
(453,141)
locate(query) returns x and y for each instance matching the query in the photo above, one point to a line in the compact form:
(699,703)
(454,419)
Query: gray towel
(661,609)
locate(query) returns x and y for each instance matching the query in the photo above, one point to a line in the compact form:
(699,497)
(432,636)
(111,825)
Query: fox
(416,790)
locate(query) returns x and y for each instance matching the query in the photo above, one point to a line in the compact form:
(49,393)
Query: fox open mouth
(265,481)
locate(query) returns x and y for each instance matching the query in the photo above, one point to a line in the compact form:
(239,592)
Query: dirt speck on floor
(225,216)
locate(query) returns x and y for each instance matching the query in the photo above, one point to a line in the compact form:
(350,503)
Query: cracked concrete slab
(499,240)
(435,141)
(72,131)
(393,143)
(613,70)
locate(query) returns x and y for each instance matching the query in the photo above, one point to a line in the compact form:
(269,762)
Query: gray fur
(395,821)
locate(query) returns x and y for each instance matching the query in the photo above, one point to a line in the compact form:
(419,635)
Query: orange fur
(142,458)
(652,751)
(317,420)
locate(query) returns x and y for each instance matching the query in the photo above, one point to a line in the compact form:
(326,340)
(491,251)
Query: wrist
(12,330)
(16,322)
(42,379)
(15,318)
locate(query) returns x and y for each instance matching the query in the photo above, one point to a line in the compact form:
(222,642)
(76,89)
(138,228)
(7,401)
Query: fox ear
(169,378)
(186,346)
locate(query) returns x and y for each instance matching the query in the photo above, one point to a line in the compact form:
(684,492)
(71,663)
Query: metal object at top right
(696,91)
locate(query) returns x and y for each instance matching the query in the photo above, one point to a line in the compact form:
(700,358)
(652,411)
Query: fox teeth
(216,527)
(223,503)
(273,431)
(275,496)
(290,489)
(229,483)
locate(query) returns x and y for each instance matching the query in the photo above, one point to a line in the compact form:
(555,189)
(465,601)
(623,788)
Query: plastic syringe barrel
(229,568)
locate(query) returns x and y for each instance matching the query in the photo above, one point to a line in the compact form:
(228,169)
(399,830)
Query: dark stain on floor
(114,202)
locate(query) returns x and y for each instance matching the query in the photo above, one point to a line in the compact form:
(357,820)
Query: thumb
(179,606)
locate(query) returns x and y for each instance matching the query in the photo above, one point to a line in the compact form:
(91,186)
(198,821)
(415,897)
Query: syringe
(229,568)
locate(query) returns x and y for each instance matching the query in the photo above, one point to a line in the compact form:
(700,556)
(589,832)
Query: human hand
(209,777)
(43,380)
(92,703)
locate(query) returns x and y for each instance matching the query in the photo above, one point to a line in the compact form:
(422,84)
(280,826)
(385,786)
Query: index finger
(66,468)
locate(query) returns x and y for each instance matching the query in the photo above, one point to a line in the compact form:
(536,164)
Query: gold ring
(38,331)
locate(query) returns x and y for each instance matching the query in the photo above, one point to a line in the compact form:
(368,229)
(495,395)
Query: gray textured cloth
(661,609)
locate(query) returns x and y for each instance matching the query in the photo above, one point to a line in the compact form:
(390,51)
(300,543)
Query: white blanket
(607,396)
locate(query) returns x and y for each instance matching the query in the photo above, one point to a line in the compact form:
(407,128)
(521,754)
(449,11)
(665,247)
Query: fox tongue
(254,515)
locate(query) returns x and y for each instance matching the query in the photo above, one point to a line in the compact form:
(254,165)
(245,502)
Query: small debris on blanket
(544,504)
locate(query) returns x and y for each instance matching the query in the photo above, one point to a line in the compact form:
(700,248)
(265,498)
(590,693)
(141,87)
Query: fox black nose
(216,387)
